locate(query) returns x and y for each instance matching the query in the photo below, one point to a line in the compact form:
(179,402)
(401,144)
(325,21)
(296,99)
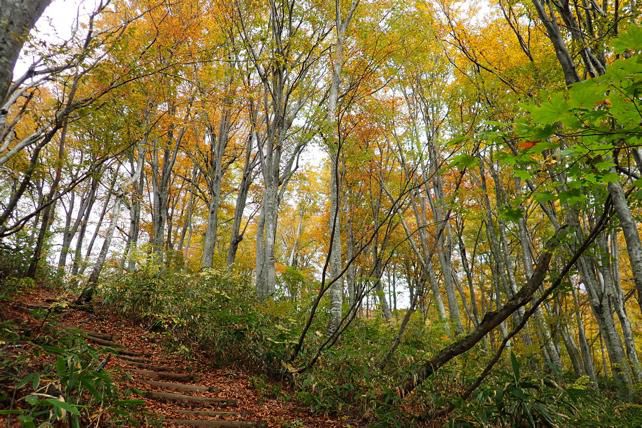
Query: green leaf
(26,421)
(58,404)
(628,40)
(61,367)
(462,161)
(515,365)
(552,112)
(604,165)
(32,399)
(131,403)
(543,197)
(573,196)
(89,384)
(586,94)
(523,174)
(542,146)
(511,214)
(610,178)
(33,378)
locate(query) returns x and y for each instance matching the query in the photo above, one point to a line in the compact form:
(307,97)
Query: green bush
(15,256)
(511,398)
(218,312)
(215,310)
(60,380)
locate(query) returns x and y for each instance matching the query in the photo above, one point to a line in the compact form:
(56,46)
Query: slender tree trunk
(335,142)
(84,221)
(335,262)
(135,201)
(587,355)
(554,34)
(67,234)
(378,285)
(351,272)
(600,303)
(620,310)
(88,293)
(469,276)
(241,201)
(187,223)
(83,264)
(444,247)
(47,219)
(294,251)
(631,235)
(271,214)
(214,178)
(49,211)
(266,235)
(541,327)
(434,286)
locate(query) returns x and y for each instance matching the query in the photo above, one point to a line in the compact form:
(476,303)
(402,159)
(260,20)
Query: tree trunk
(84,221)
(84,263)
(266,235)
(334,143)
(88,293)
(587,356)
(241,201)
(49,211)
(214,178)
(135,201)
(556,37)
(620,310)
(17,17)
(631,235)
(67,234)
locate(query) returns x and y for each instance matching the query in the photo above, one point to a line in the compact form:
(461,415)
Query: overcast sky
(56,24)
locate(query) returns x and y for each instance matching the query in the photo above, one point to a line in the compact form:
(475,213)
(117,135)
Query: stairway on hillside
(176,388)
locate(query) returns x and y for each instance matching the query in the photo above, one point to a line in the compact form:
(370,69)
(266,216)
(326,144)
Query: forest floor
(207,396)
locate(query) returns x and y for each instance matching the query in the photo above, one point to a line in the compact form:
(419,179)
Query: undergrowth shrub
(55,378)
(218,312)
(512,398)
(15,256)
(215,310)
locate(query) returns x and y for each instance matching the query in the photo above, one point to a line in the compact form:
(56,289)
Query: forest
(364,212)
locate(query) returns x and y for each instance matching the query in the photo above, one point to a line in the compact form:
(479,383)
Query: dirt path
(183,392)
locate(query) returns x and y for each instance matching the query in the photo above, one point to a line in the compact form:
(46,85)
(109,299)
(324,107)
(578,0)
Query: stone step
(98,335)
(182,387)
(170,396)
(132,353)
(153,367)
(211,413)
(150,374)
(215,424)
(104,342)
(133,358)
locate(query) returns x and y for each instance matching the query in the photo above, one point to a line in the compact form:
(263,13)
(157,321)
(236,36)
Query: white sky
(56,24)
